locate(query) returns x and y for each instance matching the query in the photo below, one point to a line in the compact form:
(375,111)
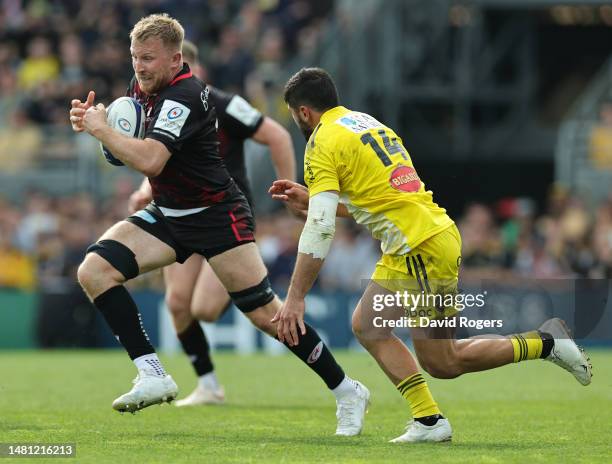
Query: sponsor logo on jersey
(316,353)
(172,118)
(124,124)
(309,170)
(204,97)
(405,178)
(358,122)
(175,113)
(239,109)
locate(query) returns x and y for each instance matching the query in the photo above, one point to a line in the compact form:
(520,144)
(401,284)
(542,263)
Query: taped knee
(118,255)
(254,297)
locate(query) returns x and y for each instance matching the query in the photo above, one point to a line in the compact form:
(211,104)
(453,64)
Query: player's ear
(177,58)
(304,113)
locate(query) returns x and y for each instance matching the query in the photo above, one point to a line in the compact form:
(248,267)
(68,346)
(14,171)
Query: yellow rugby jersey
(365,161)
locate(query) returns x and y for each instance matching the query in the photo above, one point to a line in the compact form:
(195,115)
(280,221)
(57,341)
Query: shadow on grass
(514,446)
(251,440)
(276,407)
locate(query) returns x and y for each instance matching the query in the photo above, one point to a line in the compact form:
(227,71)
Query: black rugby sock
(547,344)
(317,356)
(429,420)
(123,318)
(196,347)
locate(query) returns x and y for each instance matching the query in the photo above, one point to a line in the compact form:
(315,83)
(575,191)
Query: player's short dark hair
(312,87)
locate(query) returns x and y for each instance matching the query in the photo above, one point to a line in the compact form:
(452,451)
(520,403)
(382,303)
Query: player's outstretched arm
(316,238)
(278,140)
(296,197)
(147,156)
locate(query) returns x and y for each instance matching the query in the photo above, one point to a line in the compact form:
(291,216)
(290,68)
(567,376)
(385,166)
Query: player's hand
(290,318)
(293,194)
(94,118)
(138,200)
(299,213)
(78,109)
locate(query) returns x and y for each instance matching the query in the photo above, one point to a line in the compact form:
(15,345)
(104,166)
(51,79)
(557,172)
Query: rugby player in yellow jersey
(356,166)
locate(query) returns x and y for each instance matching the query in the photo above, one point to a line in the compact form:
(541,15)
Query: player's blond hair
(161,26)
(190,52)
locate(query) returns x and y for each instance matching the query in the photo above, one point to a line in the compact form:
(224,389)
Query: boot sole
(134,407)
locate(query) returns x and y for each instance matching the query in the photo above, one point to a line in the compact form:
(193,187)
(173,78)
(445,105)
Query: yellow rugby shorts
(430,273)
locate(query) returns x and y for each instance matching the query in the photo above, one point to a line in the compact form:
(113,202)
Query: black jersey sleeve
(236,116)
(180,114)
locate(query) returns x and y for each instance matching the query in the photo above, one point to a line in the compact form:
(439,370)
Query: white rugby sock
(150,362)
(209,381)
(347,387)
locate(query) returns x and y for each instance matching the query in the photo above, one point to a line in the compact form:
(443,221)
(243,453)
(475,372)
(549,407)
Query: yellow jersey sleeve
(320,168)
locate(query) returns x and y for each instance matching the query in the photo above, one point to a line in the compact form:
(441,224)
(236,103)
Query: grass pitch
(278,411)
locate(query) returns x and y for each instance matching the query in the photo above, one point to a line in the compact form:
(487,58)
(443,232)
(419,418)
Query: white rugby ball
(127,117)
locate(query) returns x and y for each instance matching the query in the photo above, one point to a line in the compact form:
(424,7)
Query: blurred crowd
(569,239)
(43,240)
(600,139)
(52,51)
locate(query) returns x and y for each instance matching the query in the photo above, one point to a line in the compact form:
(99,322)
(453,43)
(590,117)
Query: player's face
(154,64)
(302,122)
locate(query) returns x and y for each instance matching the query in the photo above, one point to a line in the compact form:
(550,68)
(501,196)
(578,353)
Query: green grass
(279,412)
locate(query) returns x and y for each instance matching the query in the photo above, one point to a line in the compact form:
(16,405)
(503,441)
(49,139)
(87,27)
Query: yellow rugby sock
(415,390)
(527,345)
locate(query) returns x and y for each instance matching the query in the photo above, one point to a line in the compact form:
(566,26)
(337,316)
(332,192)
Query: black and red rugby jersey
(182,117)
(238,121)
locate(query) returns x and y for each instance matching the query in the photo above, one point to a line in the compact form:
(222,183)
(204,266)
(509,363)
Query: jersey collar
(182,74)
(333,114)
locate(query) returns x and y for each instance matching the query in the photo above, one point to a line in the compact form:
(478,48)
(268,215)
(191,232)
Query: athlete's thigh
(182,278)
(437,261)
(209,294)
(377,313)
(434,345)
(150,252)
(239,268)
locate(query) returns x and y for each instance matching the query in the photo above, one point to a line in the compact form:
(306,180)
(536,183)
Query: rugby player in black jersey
(193,292)
(197,208)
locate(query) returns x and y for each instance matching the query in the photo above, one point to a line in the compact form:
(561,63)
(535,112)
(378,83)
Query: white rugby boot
(565,353)
(351,410)
(149,388)
(416,432)
(202,395)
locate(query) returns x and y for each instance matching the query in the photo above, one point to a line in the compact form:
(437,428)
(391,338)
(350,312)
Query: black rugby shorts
(210,232)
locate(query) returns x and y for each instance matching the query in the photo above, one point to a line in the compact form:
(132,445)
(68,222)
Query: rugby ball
(127,117)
